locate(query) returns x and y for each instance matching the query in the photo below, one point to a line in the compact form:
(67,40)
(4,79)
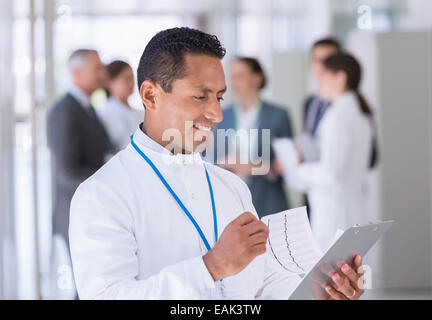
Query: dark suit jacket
(268,196)
(78,144)
(318,117)
(306,106)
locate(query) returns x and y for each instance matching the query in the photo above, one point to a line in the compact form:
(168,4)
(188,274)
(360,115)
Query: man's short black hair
(163,57)
(328,42)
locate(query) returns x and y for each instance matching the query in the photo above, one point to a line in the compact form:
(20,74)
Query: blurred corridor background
(391,38)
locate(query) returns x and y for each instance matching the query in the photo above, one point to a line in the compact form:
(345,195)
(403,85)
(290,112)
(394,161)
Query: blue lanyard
(177,199)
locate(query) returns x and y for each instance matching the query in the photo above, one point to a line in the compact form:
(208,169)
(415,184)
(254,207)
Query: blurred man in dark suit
(315,106)
(77,139)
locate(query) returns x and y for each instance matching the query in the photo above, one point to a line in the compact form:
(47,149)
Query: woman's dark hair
(114,69)
(348,64)
(255,67)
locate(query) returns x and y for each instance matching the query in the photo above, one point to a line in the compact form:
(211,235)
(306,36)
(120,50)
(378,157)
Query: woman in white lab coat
(119,118)
(335,183)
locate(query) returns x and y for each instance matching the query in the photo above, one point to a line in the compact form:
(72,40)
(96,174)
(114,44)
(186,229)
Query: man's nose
(213,112)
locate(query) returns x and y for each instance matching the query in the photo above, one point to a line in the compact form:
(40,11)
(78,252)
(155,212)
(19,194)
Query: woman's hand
(349,285)
(278,168)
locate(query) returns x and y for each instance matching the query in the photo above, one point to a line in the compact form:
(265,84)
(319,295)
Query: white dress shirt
(247,119)
(120,121)
(244,121)
(129,239)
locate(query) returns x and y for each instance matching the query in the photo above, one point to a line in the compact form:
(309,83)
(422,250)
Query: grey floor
(399,294)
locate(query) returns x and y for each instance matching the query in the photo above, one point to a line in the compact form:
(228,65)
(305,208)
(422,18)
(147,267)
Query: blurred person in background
(335,183)
(315,106)
(119,118)
(76,137)
(251,112)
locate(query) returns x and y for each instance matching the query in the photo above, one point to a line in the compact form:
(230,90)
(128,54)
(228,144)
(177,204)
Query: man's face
(123,84)
(318,55)
(193,107)
(92,75)
(243,80)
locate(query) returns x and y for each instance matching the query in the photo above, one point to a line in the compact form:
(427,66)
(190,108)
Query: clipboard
(357,239)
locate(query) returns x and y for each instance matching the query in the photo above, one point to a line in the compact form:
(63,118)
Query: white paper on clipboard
(287,156)
(291,246)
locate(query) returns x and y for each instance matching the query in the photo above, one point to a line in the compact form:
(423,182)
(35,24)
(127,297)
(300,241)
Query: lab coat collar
(344,99)
(168,157)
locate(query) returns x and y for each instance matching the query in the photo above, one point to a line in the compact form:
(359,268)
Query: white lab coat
(335,185)
(120,121)
(129,239)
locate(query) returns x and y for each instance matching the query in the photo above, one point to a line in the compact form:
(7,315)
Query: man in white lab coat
(157,222)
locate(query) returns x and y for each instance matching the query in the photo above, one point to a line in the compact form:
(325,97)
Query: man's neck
(84,90)
(157,137)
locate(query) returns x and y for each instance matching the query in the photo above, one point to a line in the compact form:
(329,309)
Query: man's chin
(196,148)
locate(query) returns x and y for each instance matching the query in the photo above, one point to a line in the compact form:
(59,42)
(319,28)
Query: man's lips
(204,127)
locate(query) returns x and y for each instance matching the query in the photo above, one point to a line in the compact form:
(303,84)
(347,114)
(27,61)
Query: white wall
(288,88)
(398,83)
(288,83)
(7,237)
(418,16)
(364,48)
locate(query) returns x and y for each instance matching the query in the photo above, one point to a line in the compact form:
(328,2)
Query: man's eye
(200,97)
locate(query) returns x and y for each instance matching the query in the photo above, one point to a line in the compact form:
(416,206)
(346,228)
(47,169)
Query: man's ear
(148,93)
